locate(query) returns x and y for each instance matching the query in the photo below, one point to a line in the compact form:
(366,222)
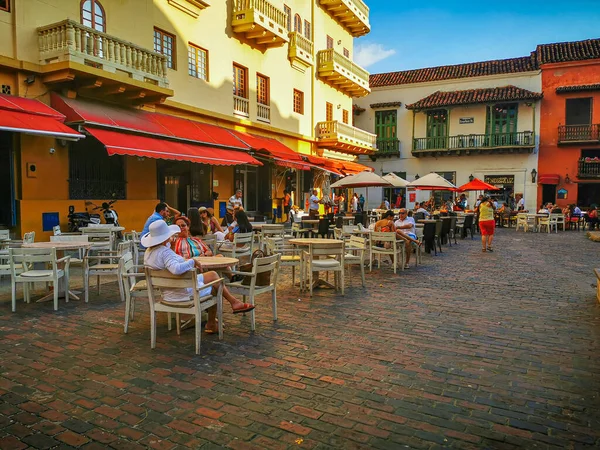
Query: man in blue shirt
(161,212)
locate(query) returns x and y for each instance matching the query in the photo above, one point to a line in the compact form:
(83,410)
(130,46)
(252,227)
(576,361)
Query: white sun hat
(158,233)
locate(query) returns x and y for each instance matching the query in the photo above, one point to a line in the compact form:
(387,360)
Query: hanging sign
(562,194)
(499,179)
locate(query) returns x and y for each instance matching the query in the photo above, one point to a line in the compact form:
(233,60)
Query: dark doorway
(548,194)
(184,184)
(588,194)
(7,181)
(264,190)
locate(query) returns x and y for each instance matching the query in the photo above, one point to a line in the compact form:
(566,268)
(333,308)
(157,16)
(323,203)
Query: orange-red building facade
(569,150)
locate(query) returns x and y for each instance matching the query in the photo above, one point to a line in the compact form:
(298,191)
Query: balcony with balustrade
(466,144)
(351,14)
(300,51)
(588,168)
(342,73)
(345,138)
(260,22)
(387,148)
(86,59)
(579,134)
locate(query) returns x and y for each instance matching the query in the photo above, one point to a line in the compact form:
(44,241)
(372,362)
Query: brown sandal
(247,307)
(483,250)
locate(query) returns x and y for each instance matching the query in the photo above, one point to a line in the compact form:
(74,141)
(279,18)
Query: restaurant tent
(362,179)
(396,181)
(477,185)
(432,182)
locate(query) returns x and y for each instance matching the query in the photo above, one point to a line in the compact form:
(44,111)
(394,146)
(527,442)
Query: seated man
(386,224)
(406,230)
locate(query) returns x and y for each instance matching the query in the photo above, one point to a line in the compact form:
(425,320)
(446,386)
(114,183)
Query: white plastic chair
(22,270)
(107,264)
(259,265)
(163,279)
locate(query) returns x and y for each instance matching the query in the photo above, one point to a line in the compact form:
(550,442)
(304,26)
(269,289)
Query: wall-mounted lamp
(52,151)
(533,175)
(567,179)
(471,177)
(141,158)
(339,106)
(30,80)
(417,177)
(339,42)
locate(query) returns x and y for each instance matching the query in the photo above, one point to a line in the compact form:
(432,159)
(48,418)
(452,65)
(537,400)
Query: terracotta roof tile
(472,96)
(580,88)
(386,105)
(476,69)
(568,51)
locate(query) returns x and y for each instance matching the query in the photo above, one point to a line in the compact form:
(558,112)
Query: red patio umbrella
(477,185)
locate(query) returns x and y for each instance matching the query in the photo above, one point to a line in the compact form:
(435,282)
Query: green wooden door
(502,124)
(437,128)
(386,130)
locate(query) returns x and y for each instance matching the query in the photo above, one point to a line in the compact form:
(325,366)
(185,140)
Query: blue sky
(410,34)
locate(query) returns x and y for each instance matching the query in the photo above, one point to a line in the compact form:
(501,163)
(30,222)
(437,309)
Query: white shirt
(408,221)
(521,203)
(162,257)
(424,211)
(387,204)
(233,202)
(313,202)
(354,204)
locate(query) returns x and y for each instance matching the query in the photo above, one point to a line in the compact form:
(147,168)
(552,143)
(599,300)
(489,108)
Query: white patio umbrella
(396,181)
(362,179)
(432,182)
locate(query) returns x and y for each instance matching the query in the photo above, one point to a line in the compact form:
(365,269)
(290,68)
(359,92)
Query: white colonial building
(469,120)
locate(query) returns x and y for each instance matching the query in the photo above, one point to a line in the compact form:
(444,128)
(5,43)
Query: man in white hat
(159,256)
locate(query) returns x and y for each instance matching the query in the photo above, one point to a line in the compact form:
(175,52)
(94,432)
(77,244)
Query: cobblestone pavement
(470,350)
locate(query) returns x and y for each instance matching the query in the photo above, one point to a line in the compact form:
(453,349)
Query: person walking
(287,204)
(487,224)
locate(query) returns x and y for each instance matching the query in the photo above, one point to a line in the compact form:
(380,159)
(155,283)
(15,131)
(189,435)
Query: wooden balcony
(387,148)
(342,73)
(260,21)
(579,134)
(79,57)
(352,14)
(588,169)
(345,138)
(300,52)
(263,113)
(241,106)
(518,142)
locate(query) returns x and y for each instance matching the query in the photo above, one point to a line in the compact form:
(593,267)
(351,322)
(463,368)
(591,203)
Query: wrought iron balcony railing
(524,139)
(588,169)
(388,146)
(579,133)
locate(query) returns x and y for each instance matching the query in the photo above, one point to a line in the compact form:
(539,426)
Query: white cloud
(368,54)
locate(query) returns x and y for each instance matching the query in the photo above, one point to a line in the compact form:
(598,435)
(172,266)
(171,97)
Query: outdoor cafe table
(60,247)
(216,263)
(307,242)
(427,225)
(537,218)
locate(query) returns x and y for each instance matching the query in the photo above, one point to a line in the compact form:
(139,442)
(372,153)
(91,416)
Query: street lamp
(471,177)
(416,176)
(533,175)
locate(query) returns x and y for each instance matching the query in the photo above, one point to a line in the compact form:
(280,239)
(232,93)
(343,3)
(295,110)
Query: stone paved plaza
(469,350)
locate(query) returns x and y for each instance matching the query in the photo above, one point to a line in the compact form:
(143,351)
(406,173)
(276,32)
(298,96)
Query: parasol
(396,181)
(477,185)
(362,179)
(432,182)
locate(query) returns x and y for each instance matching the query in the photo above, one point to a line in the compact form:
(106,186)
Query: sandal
(211,330)
(245,308)
(483,250)
(490,249)
(406,266)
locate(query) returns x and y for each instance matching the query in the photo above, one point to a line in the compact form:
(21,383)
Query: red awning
(25,115)
(352,167)
(144,122)
(549,179)
(268,146)
(117,143)
(325,164)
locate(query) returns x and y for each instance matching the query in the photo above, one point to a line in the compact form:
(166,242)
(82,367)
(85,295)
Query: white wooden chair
(242,245)
(259,265)
(101,239)
(29,238)
(22,270)
(545,223)
(558,220)
(332,261)
(355,255)
(162,279)
(106,264)
(133,278)
(134,237)
(211,241)
(272,231)
(290,255)
(385,243)
(522,222)
(78,256)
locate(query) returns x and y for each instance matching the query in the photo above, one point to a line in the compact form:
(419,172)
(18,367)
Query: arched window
(298,23)
(92,15)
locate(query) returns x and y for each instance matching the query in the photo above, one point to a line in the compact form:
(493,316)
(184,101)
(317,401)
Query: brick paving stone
(469,350)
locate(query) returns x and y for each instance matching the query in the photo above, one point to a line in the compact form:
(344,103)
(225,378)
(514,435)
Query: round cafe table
(60,247)
(216,263)
(307,242)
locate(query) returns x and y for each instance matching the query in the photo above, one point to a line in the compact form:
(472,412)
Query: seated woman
(159,256)
(386,225)
(240,224)
(186,245)
(210,222)
(197,228)
(592,217)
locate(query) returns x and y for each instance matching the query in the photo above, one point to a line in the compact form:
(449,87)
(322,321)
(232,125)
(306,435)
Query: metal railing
(588,169)
(264,7)
(297,40)
(241,106)
(330,55)
(336,130)
(263,113)
(475,141)
(62,40)
(388,145)
(579,133)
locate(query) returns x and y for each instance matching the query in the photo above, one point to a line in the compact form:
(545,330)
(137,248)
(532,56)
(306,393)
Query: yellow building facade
(265,69)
